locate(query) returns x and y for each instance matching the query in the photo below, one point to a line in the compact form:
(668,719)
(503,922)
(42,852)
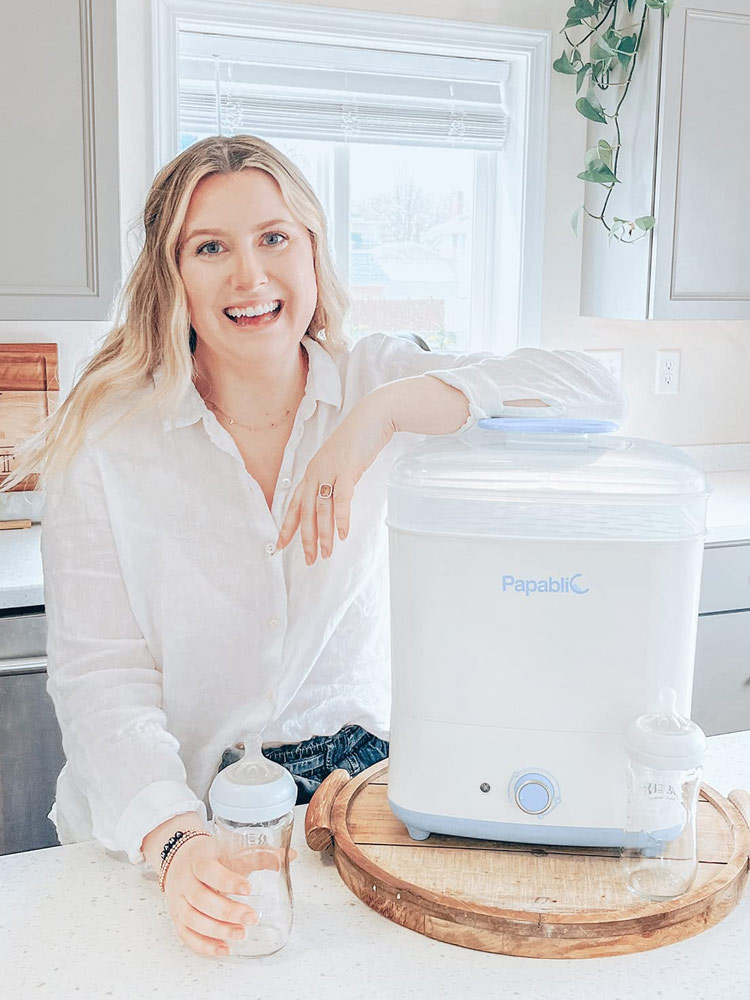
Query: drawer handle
(23,665)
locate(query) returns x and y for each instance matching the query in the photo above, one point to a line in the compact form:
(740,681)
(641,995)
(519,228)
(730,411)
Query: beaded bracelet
(171,847)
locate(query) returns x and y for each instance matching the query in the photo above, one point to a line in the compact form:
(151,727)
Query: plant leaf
(631,5)
(598,173)
(645,222)
(564,65)
(605,152)
(612,37)
(586,107)
(598,70)
(587,8)
(576,218)
(581,76)
(575,17)
(592,157)
(601,50)
(655,4)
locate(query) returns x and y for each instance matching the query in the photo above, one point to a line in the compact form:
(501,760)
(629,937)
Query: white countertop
(728,520)
(77,922)
(21,583)
(728,513)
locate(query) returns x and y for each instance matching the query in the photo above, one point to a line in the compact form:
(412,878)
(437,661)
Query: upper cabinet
(59,212)
(685,145)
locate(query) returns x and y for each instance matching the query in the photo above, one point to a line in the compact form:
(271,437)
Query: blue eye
(211,243)
(276,234)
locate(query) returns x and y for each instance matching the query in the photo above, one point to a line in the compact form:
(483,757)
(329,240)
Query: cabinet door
(725,583)
(721,688)
(31,758)
(702,238)
(685,146)
(59,214)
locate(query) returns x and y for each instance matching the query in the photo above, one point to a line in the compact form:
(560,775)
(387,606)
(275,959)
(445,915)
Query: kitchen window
(423,139)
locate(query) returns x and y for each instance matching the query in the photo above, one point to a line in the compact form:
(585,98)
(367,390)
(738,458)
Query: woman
(221,436)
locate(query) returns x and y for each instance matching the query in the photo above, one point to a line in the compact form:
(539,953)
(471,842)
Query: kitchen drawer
(22,635)
(725,585)
(31,757)
(721,686)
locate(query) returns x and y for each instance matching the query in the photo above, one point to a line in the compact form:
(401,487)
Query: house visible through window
(406,152)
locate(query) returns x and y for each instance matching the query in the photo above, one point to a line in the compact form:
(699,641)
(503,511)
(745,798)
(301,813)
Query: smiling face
(241,250)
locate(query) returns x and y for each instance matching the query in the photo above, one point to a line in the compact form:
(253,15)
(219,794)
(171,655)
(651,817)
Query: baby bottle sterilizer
(544,586)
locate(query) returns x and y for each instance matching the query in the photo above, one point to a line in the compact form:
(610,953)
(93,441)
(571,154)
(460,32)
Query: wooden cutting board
(520,899)
(29,392)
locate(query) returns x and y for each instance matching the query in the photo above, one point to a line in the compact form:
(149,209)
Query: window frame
(506,307)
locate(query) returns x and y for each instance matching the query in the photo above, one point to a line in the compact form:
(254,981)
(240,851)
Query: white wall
(712,405)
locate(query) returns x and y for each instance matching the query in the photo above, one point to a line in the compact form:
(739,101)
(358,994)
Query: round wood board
(519,899)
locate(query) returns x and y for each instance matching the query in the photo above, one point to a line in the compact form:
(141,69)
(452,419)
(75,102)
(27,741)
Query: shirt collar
(323,385)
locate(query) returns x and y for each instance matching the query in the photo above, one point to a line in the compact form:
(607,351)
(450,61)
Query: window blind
(270,87)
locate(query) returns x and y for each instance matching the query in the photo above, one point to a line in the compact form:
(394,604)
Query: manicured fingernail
(237,934)
(325,553)
(308,559)
(250,917)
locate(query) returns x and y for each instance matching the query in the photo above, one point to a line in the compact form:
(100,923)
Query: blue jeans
(310,761)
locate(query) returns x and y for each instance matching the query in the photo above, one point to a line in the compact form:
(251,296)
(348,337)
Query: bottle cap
(254,789)
(665,740)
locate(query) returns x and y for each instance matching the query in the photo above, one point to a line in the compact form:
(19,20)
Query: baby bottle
(252,802)
(664,766)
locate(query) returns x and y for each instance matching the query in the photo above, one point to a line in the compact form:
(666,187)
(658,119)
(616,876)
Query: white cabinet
(59,212)
(721,687)
(685,127)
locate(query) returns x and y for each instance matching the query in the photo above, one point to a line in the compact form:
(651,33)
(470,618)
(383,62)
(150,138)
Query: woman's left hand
(341,461)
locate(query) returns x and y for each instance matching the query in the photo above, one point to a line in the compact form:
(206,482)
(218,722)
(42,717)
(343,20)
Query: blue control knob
(534,793)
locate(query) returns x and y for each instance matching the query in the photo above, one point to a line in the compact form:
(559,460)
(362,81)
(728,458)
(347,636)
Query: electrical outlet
(667,372)
(612,361)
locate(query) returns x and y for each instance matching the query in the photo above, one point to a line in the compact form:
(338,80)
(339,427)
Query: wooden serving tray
(520,899)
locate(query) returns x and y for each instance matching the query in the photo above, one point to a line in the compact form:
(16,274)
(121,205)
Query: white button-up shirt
(174,625)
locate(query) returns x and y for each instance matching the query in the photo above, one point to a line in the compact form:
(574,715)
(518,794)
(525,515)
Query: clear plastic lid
(664,739)
(543,459)
(254,789)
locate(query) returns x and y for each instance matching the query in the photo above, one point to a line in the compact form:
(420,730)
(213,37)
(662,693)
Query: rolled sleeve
(152,806)
(569,383)
(102,679)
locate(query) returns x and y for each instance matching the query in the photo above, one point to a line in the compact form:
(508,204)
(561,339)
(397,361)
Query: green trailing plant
(614,31)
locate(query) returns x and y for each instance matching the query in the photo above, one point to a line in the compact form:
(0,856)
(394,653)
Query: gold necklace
(239,423)
(274,424)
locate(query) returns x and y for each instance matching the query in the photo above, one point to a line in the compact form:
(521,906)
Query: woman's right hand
(196,881)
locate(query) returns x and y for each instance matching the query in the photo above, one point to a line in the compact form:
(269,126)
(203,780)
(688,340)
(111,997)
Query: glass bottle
(252,803)
(664,766)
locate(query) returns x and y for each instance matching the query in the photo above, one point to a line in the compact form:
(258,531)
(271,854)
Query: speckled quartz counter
(76,922)
(21,567)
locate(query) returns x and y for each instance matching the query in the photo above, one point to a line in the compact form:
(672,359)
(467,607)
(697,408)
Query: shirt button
(270,548)
(273,622)
(286,483)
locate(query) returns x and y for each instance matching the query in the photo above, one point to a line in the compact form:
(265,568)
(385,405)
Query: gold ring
(325,491)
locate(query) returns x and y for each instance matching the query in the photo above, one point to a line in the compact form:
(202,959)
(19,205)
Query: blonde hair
(151,321)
